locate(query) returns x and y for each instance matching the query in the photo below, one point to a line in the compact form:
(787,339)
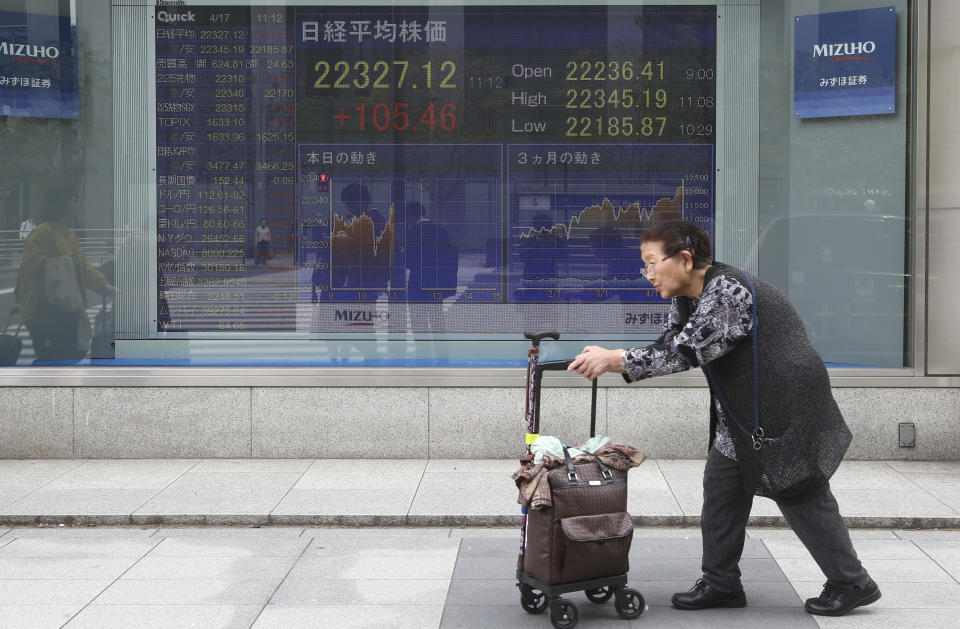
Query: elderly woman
(775,429)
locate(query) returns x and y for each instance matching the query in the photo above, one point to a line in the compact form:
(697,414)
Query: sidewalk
(427,578)
(415,492)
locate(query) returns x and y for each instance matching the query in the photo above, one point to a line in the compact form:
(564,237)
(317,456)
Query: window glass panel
(56,180)
(833,212)
(425,202)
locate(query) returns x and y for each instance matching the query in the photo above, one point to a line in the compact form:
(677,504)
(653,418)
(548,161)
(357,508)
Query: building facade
(320,230)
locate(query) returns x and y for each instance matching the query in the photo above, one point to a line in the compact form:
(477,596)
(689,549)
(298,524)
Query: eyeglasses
(651,267)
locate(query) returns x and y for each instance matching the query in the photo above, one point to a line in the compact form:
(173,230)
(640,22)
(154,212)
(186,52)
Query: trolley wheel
(599,595)
(564,614)
(629,603)
(533,601)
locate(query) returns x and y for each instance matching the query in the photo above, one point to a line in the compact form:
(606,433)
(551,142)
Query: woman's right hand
(595,361)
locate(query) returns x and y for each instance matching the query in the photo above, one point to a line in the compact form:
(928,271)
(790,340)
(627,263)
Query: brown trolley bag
(582,541)
(587,532)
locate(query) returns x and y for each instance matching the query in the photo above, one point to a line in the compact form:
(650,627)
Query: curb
(425,521)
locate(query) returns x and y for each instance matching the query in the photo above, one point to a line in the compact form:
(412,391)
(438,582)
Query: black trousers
(814,516)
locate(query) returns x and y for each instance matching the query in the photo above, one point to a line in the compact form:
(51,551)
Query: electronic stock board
(427,169)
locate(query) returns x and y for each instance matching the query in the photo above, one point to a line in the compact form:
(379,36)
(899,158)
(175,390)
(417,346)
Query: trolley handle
(553,365)
(535,338)
(559,365)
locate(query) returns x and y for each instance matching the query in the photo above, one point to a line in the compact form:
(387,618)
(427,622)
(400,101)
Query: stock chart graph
(413,223)
(576,231)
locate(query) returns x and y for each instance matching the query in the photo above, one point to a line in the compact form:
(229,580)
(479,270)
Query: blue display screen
(426,170)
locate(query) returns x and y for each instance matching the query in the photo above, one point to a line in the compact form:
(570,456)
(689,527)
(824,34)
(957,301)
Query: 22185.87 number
(615,126)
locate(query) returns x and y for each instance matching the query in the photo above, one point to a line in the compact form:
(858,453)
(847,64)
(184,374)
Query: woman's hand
(595,361)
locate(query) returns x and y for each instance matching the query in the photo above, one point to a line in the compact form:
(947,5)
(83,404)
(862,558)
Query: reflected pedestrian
(53,282)
(263,243)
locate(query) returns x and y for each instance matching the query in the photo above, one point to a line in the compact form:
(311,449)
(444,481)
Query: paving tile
(211,567)
(648,492)
(474,493)
(943,487)
(509,533)
(84,568)
(230,547)
(494,592)
(688,569)
(81,532)
(926,467)
(383,547)
(378,474)
(945,553)
(77,547)
(345,502)
(788,534)
(869,475)
(49,591)
(349,617)
(655,592)
(361,567)
(502,467)
(867,549)
(764,507)
(36,616)
(124,474)
(207,591)
(881,570)
(872,617)
(398,534)
(877,502)
(688,470)
(13,470)
(486,568)
(688,494)
(255,532)
(644,548)
(226,493)
(653,502)
(793,617)
(658,593)
(902,595)
(361,592)
(79,502)
(662,533)
(513,617)
(928,535)
(164,617)
(490,547)
(10,494)
(254,466)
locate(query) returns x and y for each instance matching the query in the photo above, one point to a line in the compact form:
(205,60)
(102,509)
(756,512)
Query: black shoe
(836,601)
(703,596)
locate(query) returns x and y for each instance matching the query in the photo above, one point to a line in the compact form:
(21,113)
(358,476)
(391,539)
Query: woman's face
(669,276)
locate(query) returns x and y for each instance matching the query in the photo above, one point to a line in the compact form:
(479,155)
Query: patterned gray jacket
(769,388)
(721,318)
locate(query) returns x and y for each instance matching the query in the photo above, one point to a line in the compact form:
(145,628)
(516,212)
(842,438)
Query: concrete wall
(419,422)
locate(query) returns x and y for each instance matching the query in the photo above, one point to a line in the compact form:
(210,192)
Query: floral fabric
(721,317)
